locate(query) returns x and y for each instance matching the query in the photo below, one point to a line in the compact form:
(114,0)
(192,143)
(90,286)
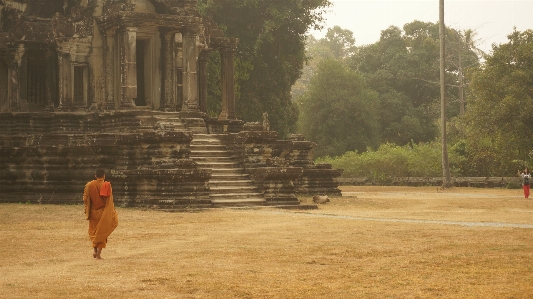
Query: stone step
(229,186)
(205,141)
(205,153)
(242,195)
(207,146)
(224,202)
(209,159)
(230,181)
(228,173)
(233,189)
(208,136)
(222,176)
(230,166)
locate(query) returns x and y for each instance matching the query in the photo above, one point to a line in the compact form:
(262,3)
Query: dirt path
(460,223)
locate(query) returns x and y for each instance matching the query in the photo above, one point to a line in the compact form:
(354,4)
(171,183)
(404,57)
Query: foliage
(499,119)
(403,67)
(338,44)
(271,49)
(391,160)
(339,112)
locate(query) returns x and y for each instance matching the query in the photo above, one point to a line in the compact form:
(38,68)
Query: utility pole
(447,179)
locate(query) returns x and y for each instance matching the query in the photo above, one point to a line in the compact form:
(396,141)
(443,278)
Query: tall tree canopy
(403,67)
(339,112)
(337,44)
(271,52)
(500,114)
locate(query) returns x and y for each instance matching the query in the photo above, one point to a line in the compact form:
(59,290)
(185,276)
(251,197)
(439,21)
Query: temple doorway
(36,80)
(148,70)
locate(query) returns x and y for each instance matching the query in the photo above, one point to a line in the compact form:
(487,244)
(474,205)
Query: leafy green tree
(337,44)
(339,112)
(398,69)
(271,52)
(499,118)
(403,67)
(463,53)
(340,42)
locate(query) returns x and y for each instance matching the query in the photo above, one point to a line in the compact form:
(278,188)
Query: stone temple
(122,84)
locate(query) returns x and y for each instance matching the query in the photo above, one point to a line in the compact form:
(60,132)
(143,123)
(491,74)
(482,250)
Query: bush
(390,160)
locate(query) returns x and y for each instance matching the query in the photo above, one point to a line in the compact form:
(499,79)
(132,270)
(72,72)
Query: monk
(100,211)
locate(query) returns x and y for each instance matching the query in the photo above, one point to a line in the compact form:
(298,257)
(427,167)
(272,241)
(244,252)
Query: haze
(492,20)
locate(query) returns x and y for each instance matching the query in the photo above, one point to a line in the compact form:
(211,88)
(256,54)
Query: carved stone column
(13,85)
(128,67)
(190,78)
(202,80)
(65,80)
(227,55)
(15,76)
(111,76)
(169,95)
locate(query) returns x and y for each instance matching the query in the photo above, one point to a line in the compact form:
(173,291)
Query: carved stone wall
(47,157)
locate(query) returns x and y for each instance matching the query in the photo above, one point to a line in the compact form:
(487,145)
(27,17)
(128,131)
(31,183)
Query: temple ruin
(122,84)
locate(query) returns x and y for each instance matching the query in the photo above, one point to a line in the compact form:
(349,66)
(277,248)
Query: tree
(499,120)
(338,44)
(271,52)
(339,112)
(403,67)
(464,55)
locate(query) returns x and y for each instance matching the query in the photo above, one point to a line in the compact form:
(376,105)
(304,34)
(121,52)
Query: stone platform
(163,160)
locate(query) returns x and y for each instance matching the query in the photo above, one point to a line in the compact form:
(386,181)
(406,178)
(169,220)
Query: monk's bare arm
(86,194)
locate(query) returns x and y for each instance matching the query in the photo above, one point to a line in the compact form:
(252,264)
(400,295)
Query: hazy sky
(492,20)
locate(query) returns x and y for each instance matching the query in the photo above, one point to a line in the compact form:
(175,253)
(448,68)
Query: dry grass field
(374,242)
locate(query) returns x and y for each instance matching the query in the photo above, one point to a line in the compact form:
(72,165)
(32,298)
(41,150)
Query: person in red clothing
(526,178)
(100,211)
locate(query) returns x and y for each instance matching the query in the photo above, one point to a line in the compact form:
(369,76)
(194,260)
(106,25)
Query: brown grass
(374,242)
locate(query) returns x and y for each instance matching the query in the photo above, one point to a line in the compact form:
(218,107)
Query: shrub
(390,160)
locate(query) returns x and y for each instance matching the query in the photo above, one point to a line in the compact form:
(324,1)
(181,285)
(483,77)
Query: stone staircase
(229,185)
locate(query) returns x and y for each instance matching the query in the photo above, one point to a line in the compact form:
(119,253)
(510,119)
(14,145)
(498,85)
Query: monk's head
(99,173)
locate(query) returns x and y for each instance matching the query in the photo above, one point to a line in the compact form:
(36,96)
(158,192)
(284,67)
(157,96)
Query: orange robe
(100,211)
